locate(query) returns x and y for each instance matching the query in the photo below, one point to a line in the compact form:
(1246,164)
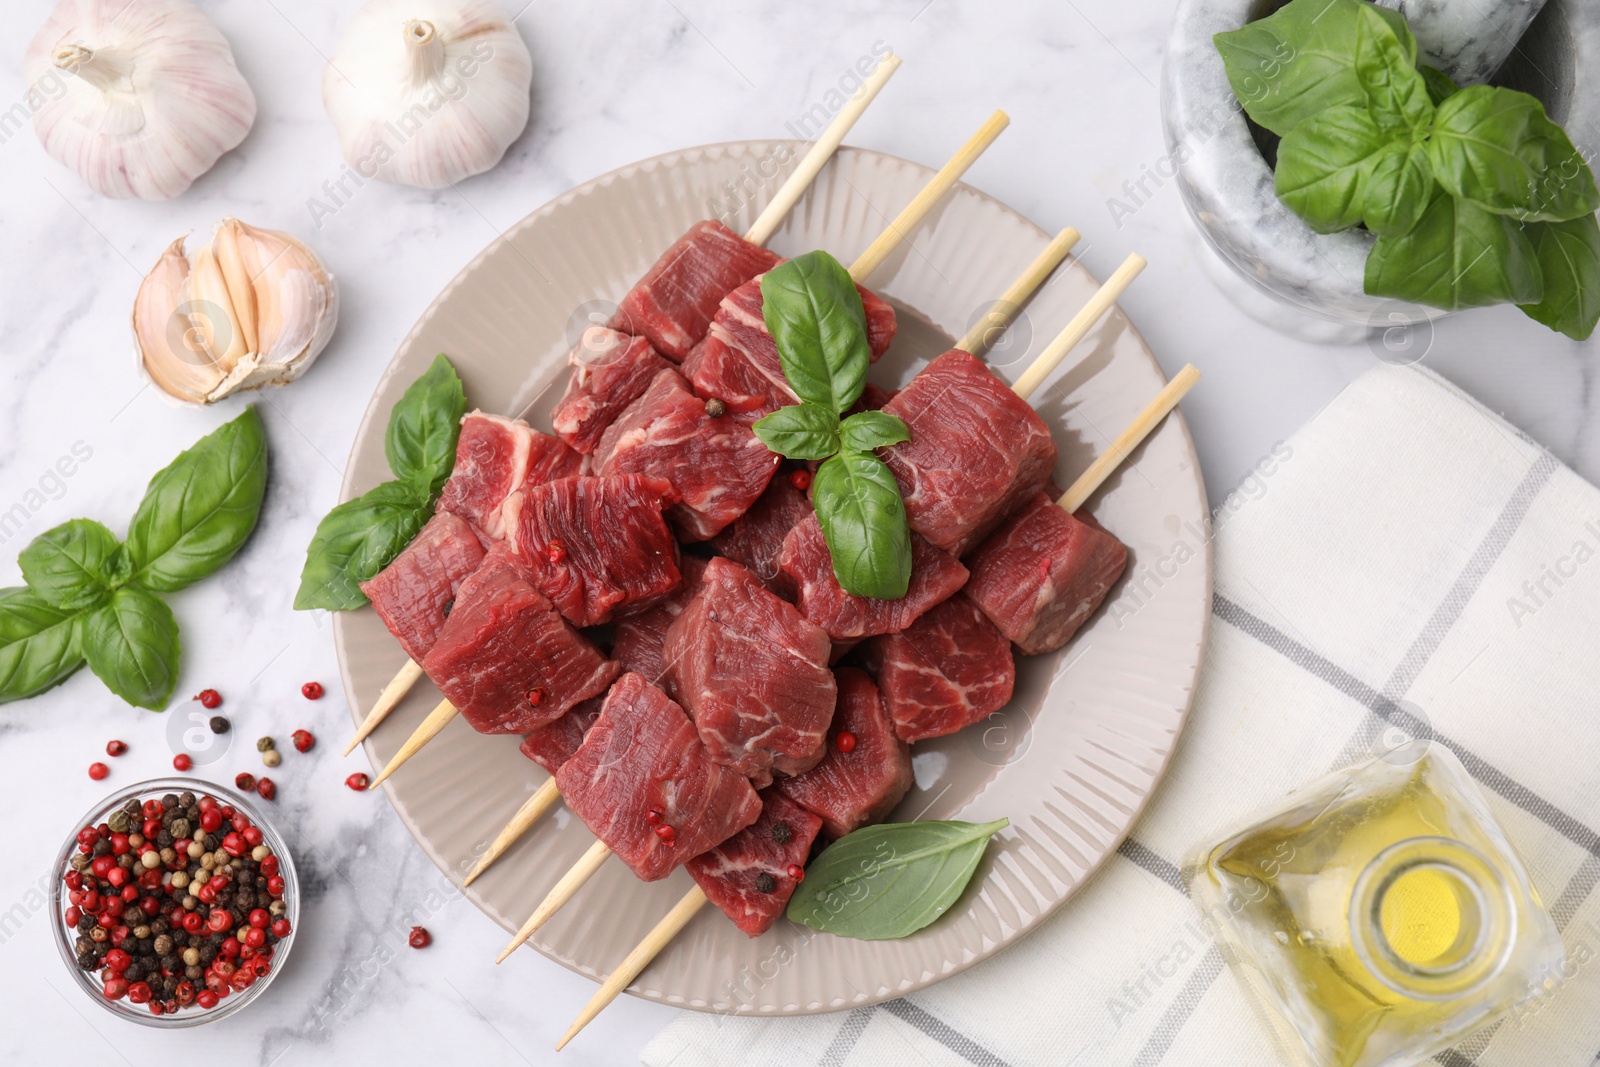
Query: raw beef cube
(718,467)
(673,303)
(642,755)
(413,594)
(806,563)
(636,641)
(753,673)
(944,672)
(977,451)
(860,787)
(506,659)
(610,370)
(554,743)
(756,539)
(596,546)
(1041,575)
(747,876)
(495,457)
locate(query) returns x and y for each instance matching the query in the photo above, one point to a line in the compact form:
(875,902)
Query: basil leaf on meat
(38,644)
(1459,256)
(199,511)
(800,431)
(867,430)
(74,566)
(1496,148)
(355,541)
(889,881)
(420,442)
(132,646)
(1569,257)
(814,313)
(864,523)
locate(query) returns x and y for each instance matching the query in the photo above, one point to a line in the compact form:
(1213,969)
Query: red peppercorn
(139,993)
(252,834)
(800,479)
(206,999)
(254,938)
(275,885)
(116,748)
(182,762)
(117,960)
(153,809)
(281,928)
(239,820)
(150,906)
(555,552)
(303,741)
(74,915)
(260,918)
(117,876)
(130,893)
(535,697)
(653,817)
(312,690)
(666,833)
(90,901)
(845,742)
(357,781)
(115,989)
(151,829)
(98,771)
(797,872)
(420,938)
(209,698)
(267,789)
(269,866)
(244,780)
(192,923)
(211,820)
(219,920)
(234,845)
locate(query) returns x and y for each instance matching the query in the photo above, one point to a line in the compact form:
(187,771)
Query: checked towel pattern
(1413,564)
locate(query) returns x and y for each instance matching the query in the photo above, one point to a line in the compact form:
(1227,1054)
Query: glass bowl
(65,937)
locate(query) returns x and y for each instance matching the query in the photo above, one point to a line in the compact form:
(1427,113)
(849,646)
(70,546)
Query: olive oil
(1381,917)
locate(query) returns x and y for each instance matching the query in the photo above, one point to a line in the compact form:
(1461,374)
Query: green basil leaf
(1385,56)
(1496,148)
(814,313)
(38,644)
(891,880)
(355,541)
(800,431)
(1569,256)
(1459,256)
(199,511)
(132,646)
(423,428)
(1323,165)
(73,566)
(1440,85)
(864,523)
(1399,188)
(867,430)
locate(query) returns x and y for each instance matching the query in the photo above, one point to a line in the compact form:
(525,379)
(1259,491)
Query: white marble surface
(615,80)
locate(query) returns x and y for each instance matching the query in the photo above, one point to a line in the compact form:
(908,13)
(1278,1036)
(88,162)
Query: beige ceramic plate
(1071,761)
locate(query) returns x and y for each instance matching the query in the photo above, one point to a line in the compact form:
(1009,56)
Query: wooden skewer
(437,720)
(1080,325)
(663,933)
(531,812)
(564,890)
(391,696)
(998,317)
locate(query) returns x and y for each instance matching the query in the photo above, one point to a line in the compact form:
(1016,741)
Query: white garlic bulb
(140,98)
(253,309)
(428,92)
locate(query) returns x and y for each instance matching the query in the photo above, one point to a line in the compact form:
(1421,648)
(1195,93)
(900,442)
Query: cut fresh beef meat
(413,594)
(674,302)
(859,787)
(747,876)
(739,365)
(944,672)
(756,539)
(597,547)
(753,673)
(976,453)
(641,756)
(935,576)
(717,466)
(554,743)
(610,370)
(636,641)
(494,458)
(1041,575)
(506,659)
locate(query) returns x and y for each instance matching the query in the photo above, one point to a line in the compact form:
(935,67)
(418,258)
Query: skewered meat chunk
(977,451)
(753,673)
(495,457)
(717,466)
(647,787)
(554,743)
(413,594)
(610,370)
(636,642)
(944,672)
(1041,575)
(673,304)
(506,659)
(597,547)
(806,563)
(755,540)
(853,789)
(747,876)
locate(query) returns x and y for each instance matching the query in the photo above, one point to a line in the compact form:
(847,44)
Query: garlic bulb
(253,309)
(140,98)
(427,92)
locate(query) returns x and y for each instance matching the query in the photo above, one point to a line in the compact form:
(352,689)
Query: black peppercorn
(219,724)
(448,604)
(765,883)
(781,833)
(716,408)
(102,847)
(186,799)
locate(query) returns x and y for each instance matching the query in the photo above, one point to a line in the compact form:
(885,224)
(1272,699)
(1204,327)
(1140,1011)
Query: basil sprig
(1475,196)
(814,313)
(360,537)
(92,599)
(889,881)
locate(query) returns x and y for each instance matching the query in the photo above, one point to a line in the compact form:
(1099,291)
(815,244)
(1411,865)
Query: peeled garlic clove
(428,92)
(140,98)
(255,308)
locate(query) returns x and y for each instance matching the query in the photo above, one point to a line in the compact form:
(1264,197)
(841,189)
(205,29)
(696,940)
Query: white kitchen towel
(1406,560)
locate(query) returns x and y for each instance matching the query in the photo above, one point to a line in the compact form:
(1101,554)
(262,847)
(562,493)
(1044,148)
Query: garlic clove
(172,351)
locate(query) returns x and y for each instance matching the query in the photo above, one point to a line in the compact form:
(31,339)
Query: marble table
(615,80)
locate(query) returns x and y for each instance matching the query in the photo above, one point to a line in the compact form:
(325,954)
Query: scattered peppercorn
(797,872)
(98,771)
(265,743)
(765,883)
(219,724)
(716,408)
(271,757)
(845,742)
(209,699)
(801,480)
(420,938)
(182,762)
(312,690)
(555,552)
(116,748)
(357,781)
(535,697)
(303,741)
(781,833)
(267,789)
(449,605)
(243,780)
(666,833)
